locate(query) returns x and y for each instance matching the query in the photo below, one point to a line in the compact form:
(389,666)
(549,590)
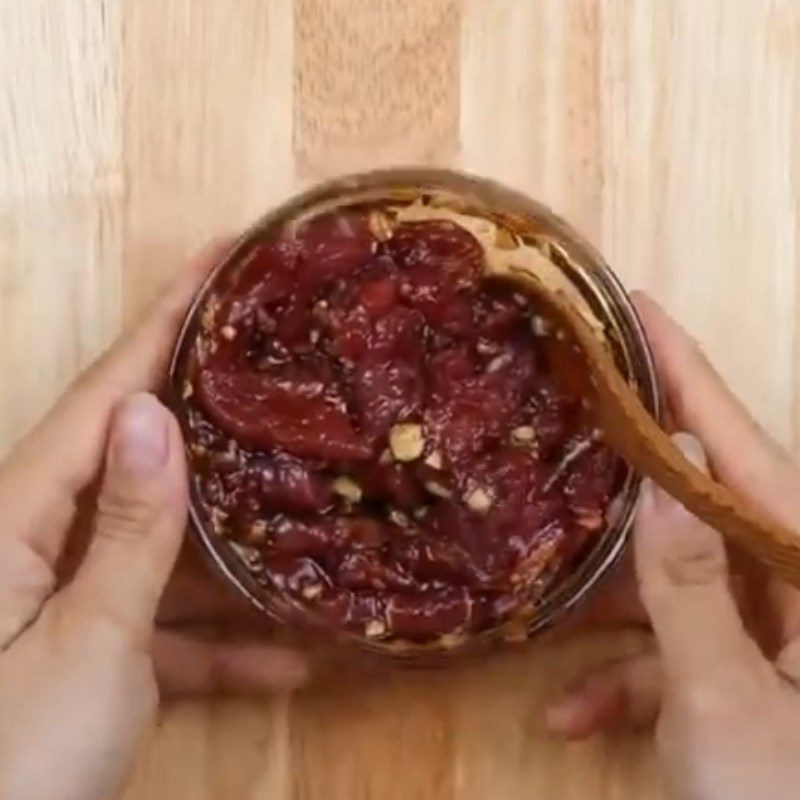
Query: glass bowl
(584,268)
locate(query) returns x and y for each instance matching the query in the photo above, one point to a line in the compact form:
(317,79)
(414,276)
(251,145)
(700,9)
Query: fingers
(141,516)
(615,604)
(624,693)
(38,482)
(26,581)
(740,452)
(683,575)
(187,665)
(196,596)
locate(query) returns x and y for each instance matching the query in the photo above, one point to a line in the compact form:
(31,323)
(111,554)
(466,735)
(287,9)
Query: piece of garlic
(540,326)
(399,518)
(434,460)
(438,490)
(523,435)
(406,441)
(479,500)
(311,590)
(380,225)
(375,628)
(347,488)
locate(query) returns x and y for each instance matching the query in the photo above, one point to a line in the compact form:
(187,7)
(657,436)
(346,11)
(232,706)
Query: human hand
(727,698)
(78,656)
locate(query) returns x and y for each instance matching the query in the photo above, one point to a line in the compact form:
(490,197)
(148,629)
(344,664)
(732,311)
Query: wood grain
(530,100)
(376,84)
(206,126)
(131,130)
(699,203)
(60,199)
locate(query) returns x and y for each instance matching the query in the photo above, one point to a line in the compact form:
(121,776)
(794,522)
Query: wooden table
(668,131)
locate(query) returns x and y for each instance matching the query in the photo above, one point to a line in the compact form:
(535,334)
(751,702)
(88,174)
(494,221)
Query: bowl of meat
(390,436)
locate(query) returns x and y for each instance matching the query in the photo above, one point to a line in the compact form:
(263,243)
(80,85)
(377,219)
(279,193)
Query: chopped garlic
(498,362)
(379,225)
(406,441)
(522,435)
(479,500)
(399,518)
(434,460)
(520,299)
(437,489)
(375,628)
(540,326)
(347,488)
(312,590)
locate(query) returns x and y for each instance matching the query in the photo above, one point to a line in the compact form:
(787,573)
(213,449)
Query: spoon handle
(647,447)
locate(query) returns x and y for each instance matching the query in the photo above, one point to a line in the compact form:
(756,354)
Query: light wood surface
(668,131)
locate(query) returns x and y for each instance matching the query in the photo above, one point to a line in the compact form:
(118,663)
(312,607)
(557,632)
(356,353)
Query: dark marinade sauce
(408,445)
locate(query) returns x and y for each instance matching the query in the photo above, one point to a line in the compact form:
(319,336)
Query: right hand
(727,705)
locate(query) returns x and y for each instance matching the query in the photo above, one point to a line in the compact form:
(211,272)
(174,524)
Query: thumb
(683,576)
(141,516)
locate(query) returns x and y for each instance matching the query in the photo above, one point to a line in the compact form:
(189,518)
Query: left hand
(48,493)
(77,686)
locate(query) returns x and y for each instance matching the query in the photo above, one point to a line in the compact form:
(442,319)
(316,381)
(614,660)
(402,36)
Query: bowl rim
(497,199)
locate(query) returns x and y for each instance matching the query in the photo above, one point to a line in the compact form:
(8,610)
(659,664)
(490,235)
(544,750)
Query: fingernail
(692,449)
(694,452)
(655,502)
(560,716)
(139,435)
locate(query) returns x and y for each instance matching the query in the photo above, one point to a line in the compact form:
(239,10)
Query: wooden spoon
(647,447)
